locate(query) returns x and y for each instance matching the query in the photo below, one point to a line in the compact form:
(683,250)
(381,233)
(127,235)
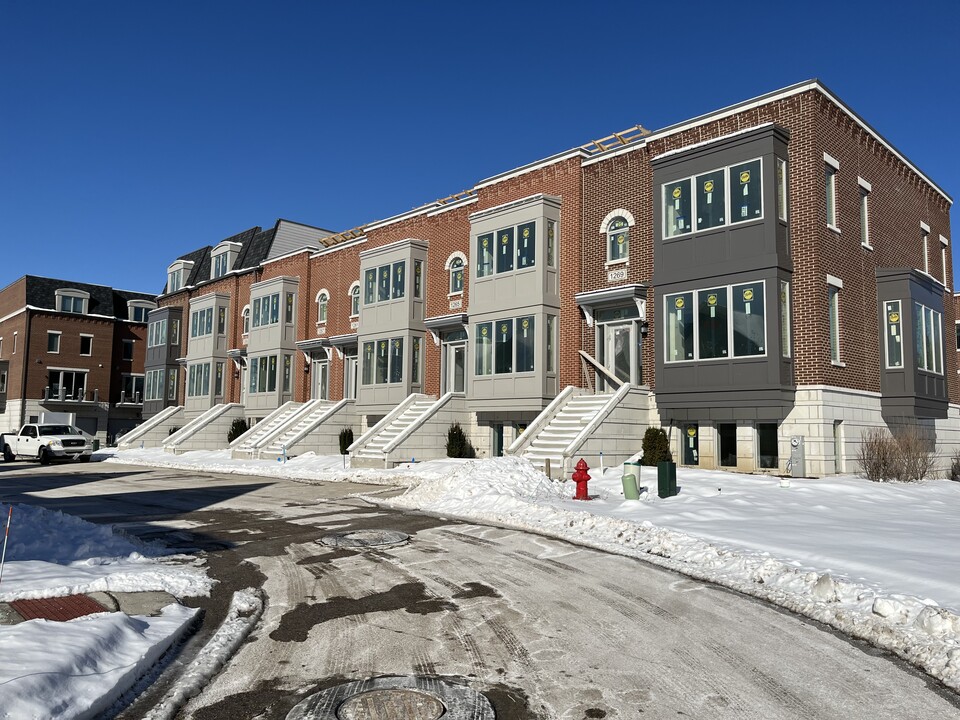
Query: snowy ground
(877,561)
(98,657)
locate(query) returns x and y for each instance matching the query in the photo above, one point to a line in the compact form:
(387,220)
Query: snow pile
(510,492)
(50,554)
(97,658)
(308,467)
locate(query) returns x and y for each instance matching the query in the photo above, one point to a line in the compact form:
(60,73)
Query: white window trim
(837,283)
(605,234)
(730,330)
(323,292)
(59,335)
(727,199)
(448,266)
(943,261)
(355,286)
(835,164)
(926,248)
(865,197)
(83,354)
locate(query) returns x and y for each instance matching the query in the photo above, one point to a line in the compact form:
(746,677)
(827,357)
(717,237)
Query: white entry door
(455,367)
(321,379)
(618,350)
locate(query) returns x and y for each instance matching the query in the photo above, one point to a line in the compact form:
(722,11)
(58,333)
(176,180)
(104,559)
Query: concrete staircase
(207,431)
(373,448)
(153,431)
(245,445)
(310,416)
(578,423)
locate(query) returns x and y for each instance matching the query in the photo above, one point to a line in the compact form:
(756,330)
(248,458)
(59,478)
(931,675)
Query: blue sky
(133,132)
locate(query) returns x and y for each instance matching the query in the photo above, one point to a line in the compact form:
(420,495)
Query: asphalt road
(545,629)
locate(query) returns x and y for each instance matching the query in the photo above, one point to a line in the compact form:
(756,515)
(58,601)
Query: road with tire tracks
(544,629)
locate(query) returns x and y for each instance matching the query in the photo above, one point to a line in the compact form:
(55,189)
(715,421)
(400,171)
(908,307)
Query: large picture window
(266,310)
(507,249)
(201,323)
(263,374)
(730,321)
(384,283)
(157,333)
(506,346)
(198,380)
(713,199)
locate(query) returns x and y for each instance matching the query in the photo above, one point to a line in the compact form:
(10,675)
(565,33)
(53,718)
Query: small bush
(237,428)
(905,456)
(656,447)
(458,446)
(955,466)
(346,439)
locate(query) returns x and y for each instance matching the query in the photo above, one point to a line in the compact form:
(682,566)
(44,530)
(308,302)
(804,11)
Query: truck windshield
(57,430)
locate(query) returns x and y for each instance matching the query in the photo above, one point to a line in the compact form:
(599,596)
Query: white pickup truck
(46,442)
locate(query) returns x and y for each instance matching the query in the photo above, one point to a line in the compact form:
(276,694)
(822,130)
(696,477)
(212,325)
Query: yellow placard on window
(711,299)
(484,331)
(692,431)
(620,239)
(678,303)
(708,186)
(748,294)
(677,192)
(526,232)
(894,317)
(504,239)
(486,242)
(525,324)
(744,177)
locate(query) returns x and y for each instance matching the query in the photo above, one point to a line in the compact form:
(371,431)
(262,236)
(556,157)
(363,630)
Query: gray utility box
(797,465)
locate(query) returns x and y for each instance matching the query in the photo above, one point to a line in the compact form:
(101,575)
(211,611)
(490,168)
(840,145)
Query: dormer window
(73,301)
(223,257)
(178,274)
(137,310)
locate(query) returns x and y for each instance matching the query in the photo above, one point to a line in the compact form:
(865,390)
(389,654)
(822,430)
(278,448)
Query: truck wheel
(7,455)
(44,456)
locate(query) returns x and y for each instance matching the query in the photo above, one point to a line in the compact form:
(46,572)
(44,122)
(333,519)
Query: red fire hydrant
(580,477)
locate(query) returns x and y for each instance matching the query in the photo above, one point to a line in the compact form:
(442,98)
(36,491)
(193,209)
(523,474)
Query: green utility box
(96,444)
(631,475)
(666,479)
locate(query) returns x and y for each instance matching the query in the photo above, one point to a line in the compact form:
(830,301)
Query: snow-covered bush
(237,428)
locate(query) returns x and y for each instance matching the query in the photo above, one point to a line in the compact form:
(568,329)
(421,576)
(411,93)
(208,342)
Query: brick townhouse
(72,351)
(765,282)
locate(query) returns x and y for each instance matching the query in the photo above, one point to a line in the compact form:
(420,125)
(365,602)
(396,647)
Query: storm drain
(395,698)
(364,538)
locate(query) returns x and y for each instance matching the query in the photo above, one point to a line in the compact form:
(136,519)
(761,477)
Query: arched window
(455,266)
(618,240)
(615,229)
(323,297)
(246,320)
(355,299)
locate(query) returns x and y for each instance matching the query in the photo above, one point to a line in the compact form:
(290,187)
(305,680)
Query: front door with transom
(619,345)
(454,361)
(321,378)
(350,376)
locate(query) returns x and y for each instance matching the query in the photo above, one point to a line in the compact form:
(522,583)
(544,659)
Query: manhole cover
(390,704)
(364,538)
(395,698)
